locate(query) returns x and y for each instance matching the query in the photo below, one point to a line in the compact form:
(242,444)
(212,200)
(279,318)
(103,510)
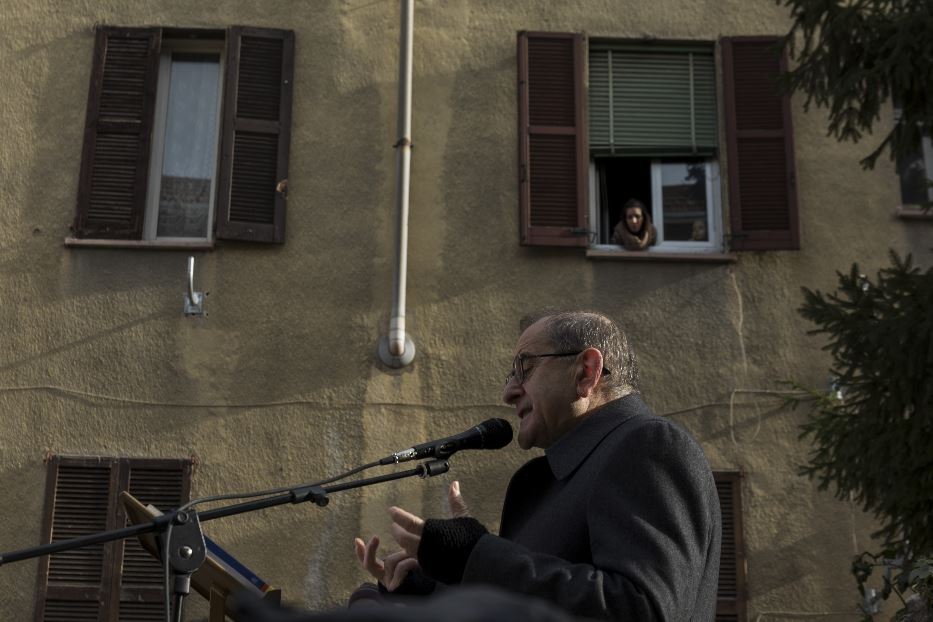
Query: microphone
(490,434)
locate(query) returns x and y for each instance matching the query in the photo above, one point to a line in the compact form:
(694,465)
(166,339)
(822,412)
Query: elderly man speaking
(618,519)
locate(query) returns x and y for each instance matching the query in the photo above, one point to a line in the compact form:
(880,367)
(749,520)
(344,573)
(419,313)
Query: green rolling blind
(652,101)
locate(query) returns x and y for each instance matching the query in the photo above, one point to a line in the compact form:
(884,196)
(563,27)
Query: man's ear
(590,372)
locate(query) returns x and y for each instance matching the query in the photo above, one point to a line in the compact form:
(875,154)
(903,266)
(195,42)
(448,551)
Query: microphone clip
(432,468)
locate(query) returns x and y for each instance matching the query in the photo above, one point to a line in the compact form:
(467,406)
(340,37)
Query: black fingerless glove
(446,545)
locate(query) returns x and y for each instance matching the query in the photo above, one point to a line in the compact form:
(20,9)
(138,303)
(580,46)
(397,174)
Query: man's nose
(512,391)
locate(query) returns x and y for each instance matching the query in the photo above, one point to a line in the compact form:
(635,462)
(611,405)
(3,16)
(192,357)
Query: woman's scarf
(635,241)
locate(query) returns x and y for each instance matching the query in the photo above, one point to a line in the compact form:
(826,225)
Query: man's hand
(458,506)
(406,527)
(390,571)
(406,530)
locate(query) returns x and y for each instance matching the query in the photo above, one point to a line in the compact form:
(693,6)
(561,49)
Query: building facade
(258,138)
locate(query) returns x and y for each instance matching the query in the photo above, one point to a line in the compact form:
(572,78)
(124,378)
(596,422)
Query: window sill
(621,255)
(152,245)
(914,213)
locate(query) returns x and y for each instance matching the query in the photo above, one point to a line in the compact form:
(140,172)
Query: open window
(653,138)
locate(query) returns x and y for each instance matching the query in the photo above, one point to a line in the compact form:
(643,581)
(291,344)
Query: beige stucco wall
(280,383)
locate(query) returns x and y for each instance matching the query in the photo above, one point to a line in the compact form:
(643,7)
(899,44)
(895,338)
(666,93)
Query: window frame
(715,216)
(170,46)
(713,212)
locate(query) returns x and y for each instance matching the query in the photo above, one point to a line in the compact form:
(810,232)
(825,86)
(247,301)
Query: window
(915,172)
(184,150)
(112,580)
(731,597)
(187,136)
(653,138)
(647,128)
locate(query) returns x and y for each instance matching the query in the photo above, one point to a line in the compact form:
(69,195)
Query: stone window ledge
(153,245)
(913,213)
(621,255)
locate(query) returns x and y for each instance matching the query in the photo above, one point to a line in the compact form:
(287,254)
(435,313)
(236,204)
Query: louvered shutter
(652,101)
(79,500)
(553,156)
(117,135)
(760,146)
(256,131)
(730,601)
(87,584)
(165,484)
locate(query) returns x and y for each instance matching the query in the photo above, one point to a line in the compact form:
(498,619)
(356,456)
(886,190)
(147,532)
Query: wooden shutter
(256,131)
(139,595)
(87,584)
(731,597)
(553,156)
(760,146)
(117,134)
(73,585)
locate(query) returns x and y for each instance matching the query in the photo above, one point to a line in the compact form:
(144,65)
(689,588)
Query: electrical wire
(270,404)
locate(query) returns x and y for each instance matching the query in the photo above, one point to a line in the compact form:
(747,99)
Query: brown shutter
(760,146)
(117,134)
(73,585)
(256,131)
(139,594)
(552,134)
(730,603)
(87,584)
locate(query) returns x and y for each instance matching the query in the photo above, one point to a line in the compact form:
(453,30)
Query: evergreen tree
(873,435)
(853,57)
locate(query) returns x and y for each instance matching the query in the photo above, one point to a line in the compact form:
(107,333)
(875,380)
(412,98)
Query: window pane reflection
(683,200)
(913,174)
(190,146)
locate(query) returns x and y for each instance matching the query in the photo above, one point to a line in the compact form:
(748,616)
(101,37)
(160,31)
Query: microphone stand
(188,550)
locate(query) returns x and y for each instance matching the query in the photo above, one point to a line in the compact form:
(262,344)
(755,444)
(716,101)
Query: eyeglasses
(518,364)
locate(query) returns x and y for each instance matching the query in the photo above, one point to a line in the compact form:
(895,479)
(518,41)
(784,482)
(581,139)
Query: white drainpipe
(397,349)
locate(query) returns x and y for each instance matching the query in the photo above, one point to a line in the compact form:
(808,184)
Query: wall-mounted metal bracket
(194,301)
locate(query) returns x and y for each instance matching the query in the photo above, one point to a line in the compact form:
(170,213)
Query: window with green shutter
(648,123)
(653,139)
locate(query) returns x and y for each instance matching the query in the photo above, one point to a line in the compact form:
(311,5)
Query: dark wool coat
(619,519)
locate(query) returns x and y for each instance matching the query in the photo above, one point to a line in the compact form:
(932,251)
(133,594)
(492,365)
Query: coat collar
(565,455)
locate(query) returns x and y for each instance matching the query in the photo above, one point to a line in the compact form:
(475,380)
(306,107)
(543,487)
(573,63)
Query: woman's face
(634,219)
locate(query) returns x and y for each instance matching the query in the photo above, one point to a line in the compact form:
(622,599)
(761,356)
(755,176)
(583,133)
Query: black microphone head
(497,433)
